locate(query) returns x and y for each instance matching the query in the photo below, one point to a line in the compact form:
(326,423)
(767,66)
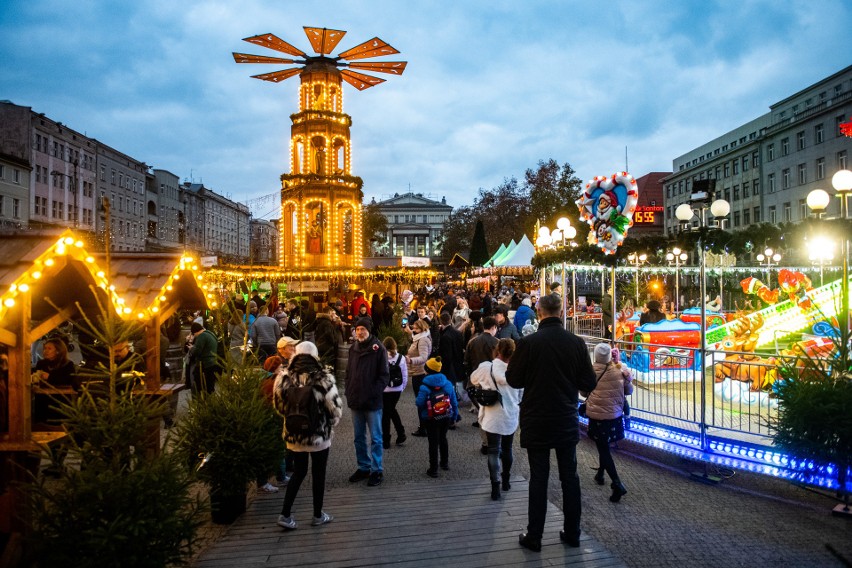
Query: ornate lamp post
(720,209)
(559,239)
(767,259)
(820,251)
(637,259)
(676,257)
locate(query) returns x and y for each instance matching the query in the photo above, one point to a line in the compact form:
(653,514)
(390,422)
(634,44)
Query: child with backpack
(438,407)
(390,396)
(306,396)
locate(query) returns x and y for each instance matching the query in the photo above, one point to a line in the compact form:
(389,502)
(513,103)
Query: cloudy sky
(491,87)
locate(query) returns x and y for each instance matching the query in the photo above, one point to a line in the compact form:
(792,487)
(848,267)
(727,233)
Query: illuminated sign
(648,215)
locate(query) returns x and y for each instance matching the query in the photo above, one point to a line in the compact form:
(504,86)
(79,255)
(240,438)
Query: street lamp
(821,251)
(636,260)
(677,258)
(768,259)
(560,238)
(720,209)
(842,183)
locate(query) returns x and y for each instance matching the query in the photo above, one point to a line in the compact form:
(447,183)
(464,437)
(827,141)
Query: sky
(491,88)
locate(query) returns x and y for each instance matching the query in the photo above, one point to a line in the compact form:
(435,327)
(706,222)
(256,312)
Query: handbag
(581,410)
(485,397)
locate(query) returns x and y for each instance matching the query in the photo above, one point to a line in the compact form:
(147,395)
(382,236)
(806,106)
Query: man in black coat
(367,375)
(551,365)
(451,349)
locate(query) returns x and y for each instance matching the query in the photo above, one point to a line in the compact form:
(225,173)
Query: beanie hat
(307,348)
(366,323)
(195,327)
(603,353)
(434,364)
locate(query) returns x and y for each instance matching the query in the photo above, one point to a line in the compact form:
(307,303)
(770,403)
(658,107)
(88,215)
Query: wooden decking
(451,524)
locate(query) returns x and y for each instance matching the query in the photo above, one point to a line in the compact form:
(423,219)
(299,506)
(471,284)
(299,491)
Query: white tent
(520,255)
(506,252)
(490,261)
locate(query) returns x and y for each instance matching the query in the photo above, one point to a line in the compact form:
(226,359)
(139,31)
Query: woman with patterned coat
(305,369)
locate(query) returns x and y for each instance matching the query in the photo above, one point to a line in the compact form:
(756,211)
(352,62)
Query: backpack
(303,413)
(438,405)
(395,372)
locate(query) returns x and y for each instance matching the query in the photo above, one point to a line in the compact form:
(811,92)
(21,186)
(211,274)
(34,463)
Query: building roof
(408,200)
(140,279)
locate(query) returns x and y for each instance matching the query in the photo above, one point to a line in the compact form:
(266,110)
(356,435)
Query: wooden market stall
(47,279)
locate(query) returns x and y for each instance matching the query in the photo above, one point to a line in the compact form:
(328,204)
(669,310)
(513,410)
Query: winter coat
(524,314)
(356,304)
(367,375)
(508,331)
(305,370)
(418,353)
(498,418)
(451,349)
(479,349)
(430,382)
(327,337)
(552,365)
(265,331)
(606,401)
(403,367)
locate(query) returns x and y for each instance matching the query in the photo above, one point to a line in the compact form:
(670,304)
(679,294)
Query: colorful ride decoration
(666,352)
(626,323)
(792,286)
(693,315)
(607,205)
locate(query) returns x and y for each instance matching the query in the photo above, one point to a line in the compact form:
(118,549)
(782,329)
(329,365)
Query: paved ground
(666,519)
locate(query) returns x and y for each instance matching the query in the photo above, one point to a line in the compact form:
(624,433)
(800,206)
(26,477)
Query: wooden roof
(141,279)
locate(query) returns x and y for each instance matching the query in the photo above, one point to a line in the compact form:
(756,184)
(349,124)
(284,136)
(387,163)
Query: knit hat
(434,364)
(307,348)
(603,353)
(366,323)
(285,341)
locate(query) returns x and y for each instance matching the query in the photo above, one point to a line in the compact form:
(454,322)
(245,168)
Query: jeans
(499,450)
(566,459)
(436,430)
(390,414)
(319,462)
(204,378)
(605,458)
(372,420)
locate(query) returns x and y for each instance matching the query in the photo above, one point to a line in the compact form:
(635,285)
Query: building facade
(165,210)
(415,223)
(264,242)
(221,224)
(766,167)
(649,216)
(122,180)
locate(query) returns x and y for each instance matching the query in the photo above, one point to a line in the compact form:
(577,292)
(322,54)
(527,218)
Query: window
(746,187)
(755,188)
(112,177)
(788,212)
(785,146)
(755,158)
(727,169)
(408,218)
(16,175)
(756,212)
(736,218)
(800,140)
(803,209)
(2,171)
(736,167)
(728,194)
(842,160)
(785,178)
(770,152)
(838,120)
(718,173)
(802,173)
(772,215)
(745,161)
(819,134)
(103,173)
(736,193)
(771,183)
(746,217)
(820,168)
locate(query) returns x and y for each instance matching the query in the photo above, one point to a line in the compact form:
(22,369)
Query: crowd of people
(513,344)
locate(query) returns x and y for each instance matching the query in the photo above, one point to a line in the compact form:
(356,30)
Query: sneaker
(475,424)
(445,467)
(268,488)
(359,475)
(323,519)
(431,473)
(400,440)
(376,478)
(288,523)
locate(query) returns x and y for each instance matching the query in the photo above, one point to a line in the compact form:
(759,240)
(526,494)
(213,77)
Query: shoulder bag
(485,397)
(581,410)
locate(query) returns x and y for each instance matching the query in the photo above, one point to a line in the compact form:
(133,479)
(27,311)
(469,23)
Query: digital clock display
(644,217)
